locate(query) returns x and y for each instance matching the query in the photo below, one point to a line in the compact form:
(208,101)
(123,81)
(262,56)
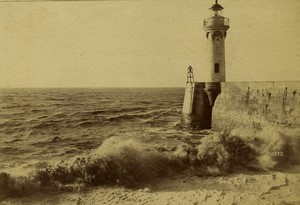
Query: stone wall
(252,104)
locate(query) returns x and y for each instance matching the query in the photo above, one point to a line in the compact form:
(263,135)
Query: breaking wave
(131,163)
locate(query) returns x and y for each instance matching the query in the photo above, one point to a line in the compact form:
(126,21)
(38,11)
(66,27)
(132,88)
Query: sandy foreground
(266,188)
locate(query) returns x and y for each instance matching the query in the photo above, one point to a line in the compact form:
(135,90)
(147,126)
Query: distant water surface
(41,125)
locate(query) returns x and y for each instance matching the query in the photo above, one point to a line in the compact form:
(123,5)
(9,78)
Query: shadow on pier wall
(198,104)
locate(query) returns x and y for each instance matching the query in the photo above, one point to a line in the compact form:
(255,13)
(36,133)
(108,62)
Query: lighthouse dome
(216,7)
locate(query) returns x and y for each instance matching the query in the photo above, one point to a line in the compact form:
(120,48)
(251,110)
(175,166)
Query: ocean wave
(12,150)
(148,115)
(88,123)
(44,125)
(13,106)
(36,110)
(127,117)
(109,111)
(130,163)
(63,98)
(17,186)
(11,124)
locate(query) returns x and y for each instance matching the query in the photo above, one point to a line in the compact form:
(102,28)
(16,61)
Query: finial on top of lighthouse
(216,7)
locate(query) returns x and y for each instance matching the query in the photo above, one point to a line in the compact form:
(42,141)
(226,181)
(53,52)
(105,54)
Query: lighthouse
(200,97)
(216,30)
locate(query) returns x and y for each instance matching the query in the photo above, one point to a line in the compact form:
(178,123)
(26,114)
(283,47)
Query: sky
(143,43)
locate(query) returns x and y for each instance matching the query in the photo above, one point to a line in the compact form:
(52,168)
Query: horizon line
(76,87)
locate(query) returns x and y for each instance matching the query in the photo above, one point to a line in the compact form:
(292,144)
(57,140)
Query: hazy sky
(143,42)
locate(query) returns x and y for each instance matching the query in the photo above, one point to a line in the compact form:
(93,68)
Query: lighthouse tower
(200,97)
(216,27)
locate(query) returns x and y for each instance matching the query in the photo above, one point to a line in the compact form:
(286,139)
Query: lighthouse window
(217,68)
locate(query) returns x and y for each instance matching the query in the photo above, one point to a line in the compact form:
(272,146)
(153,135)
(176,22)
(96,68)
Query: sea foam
(130,163)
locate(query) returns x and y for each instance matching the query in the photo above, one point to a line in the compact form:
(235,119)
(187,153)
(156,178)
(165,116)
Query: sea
(38,126)
(70,139)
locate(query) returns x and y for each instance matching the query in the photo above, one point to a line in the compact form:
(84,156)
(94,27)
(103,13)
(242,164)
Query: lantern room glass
(217,13)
